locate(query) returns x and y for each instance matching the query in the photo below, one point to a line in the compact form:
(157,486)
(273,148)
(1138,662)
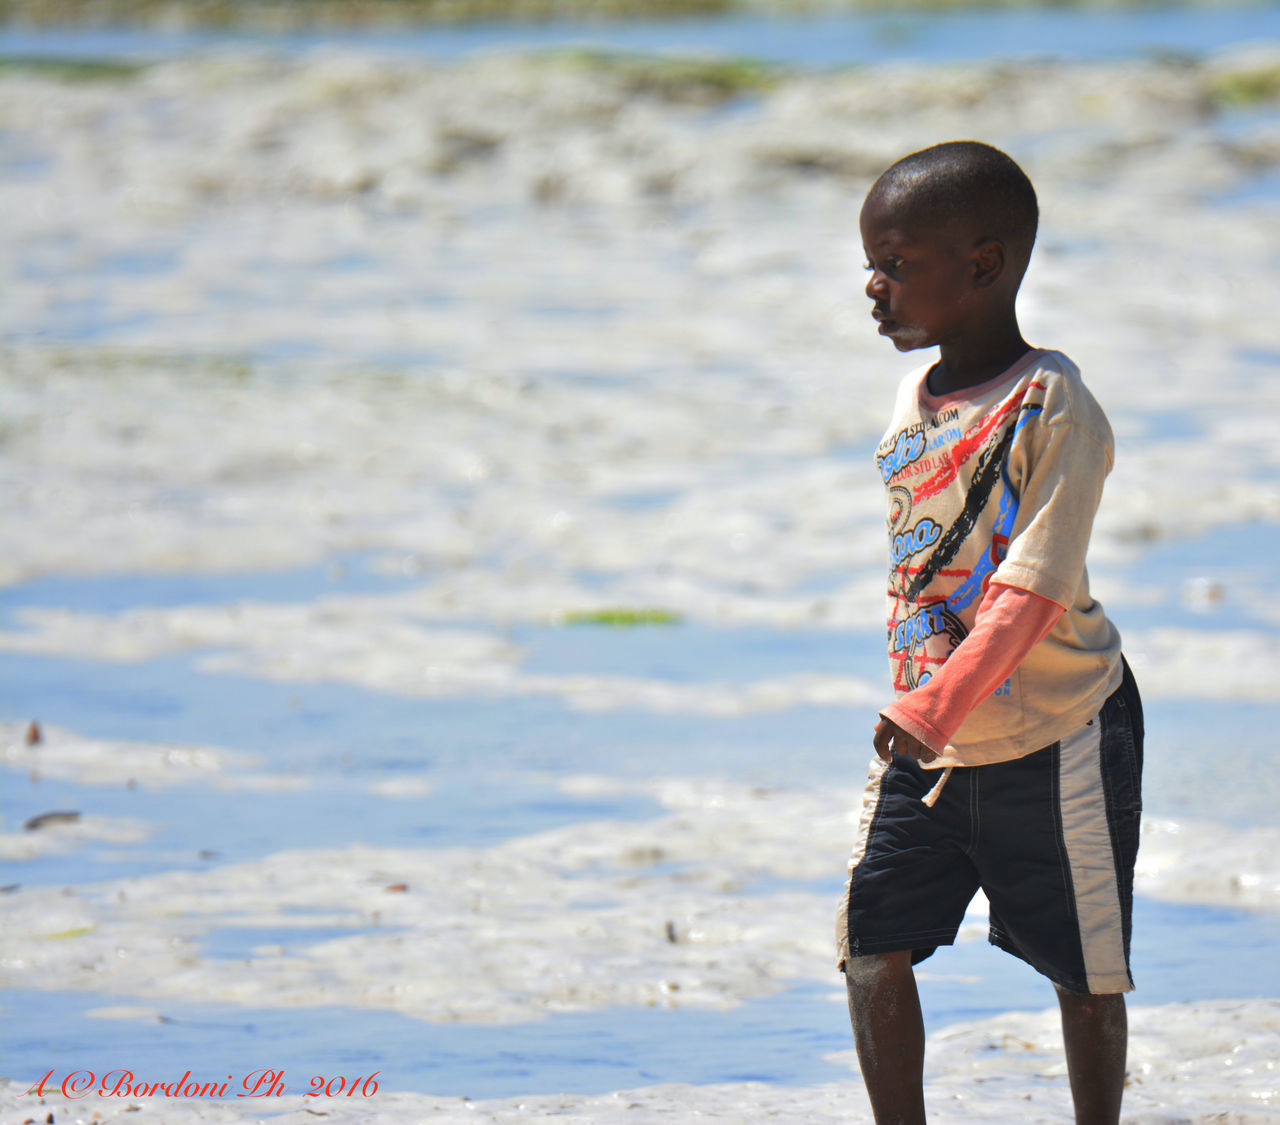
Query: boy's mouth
(883,319)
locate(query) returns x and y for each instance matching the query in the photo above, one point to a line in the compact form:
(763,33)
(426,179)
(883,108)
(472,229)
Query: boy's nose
(875,285)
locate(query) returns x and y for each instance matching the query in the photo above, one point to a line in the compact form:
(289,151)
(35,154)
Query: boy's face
(922,278)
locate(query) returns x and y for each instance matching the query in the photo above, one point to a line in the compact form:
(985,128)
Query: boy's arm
(1009,623)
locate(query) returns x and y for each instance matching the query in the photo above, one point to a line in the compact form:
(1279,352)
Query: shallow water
(817,39)
(317,425)
(781,1039)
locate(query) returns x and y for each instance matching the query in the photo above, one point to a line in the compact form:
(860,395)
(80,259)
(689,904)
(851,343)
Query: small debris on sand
(44,820)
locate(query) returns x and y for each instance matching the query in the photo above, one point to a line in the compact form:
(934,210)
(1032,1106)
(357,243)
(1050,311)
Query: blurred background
(442,556)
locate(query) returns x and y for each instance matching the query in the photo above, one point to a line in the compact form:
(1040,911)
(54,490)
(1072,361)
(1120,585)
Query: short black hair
(969,182)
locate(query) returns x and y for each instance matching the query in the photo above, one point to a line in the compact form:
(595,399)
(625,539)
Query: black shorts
(1051,838)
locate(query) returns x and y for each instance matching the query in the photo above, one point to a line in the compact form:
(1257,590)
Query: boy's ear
(988,262)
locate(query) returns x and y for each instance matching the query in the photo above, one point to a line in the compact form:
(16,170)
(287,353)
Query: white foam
(375,643)
(126,1012)
(378,643)
(1197,1062)
(1206,663)
(706,906)
(594,909)
(455,226)
(67,755)
(1199,861)
(403,787)
(66,836)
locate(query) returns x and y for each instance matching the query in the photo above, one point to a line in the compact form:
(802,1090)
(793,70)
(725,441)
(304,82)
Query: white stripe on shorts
(1082,805)
(866,812)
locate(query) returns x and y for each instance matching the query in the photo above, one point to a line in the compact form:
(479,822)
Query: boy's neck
(967,363)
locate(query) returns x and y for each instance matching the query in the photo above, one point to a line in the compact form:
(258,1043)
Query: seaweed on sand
(71,70)
(674,78)
(621,616)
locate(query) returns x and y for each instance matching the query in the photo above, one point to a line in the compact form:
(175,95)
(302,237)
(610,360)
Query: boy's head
(948,233)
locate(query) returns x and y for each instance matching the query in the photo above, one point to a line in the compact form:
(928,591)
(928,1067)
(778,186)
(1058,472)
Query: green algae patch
(620,617)
(71,70)
(1246,85)
(673,78)
(78,931)
(92,363)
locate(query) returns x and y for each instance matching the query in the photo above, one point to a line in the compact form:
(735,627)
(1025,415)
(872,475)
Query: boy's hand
(891,739)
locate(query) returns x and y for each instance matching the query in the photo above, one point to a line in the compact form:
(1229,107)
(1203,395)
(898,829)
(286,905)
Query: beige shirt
(1000,482)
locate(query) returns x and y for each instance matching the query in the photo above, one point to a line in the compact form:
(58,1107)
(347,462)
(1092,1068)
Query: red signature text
(122,1083)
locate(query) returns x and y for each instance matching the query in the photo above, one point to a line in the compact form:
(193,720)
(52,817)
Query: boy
(1011,759)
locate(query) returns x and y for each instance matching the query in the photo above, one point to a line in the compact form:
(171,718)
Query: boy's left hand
(891,739)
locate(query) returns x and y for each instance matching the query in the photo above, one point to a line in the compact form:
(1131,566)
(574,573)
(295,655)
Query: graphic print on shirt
(917,464)
(910,637)
(906,539)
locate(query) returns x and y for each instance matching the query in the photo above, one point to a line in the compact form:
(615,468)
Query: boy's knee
(1103,1013)
(1089,1001)
(871,968)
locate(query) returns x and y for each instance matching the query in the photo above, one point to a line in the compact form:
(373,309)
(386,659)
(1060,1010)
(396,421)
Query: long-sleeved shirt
(991,493)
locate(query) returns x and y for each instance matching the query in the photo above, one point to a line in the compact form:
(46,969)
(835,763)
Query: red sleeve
(1010,622)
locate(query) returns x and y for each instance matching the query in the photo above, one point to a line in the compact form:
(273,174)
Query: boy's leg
(909,884)
(884,1008)
(1095,1031)
(1061,830)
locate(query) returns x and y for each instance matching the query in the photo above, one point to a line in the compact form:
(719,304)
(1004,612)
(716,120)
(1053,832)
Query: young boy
(1011,759)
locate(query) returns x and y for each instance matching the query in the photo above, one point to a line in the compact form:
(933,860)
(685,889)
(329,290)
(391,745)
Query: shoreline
(801,35)
(354,15)
(1199,1060)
